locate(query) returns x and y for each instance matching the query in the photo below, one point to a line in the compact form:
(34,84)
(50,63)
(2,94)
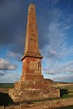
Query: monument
(32,85)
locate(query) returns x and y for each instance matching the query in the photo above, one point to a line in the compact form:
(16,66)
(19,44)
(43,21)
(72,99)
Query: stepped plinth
(32,85)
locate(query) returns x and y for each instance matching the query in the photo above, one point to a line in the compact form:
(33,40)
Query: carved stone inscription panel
(33,65)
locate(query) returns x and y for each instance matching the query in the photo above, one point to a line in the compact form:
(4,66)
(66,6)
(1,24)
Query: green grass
(6,85)
(66,91)
(68,107)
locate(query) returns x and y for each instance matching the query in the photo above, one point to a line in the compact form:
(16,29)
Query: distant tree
(0,84)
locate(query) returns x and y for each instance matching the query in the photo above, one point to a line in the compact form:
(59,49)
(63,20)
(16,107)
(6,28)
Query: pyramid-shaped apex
(31,5)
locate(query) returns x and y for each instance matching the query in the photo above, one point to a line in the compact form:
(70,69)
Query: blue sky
(55,32)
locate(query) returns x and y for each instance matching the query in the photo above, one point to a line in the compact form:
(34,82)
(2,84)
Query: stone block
(30,90)
(1,107)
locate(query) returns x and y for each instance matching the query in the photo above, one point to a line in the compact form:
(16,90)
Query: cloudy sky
(55,32)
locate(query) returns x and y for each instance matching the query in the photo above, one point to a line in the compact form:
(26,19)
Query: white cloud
(9,78)
(57,49)
(5,75)
(14,55)
(6,65)
(65,78)
(1,73)
(66,51)
(60,68)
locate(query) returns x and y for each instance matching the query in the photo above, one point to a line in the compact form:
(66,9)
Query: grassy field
(6,85)
(66,90)
(68,107)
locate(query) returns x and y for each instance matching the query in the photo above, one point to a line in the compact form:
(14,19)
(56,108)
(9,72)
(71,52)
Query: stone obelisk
(32,85)
(32,57)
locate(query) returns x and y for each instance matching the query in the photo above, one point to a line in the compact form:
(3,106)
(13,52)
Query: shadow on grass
(5,99)
(63,92)
(68,107)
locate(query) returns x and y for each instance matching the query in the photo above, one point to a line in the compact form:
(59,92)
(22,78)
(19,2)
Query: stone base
(33,90)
